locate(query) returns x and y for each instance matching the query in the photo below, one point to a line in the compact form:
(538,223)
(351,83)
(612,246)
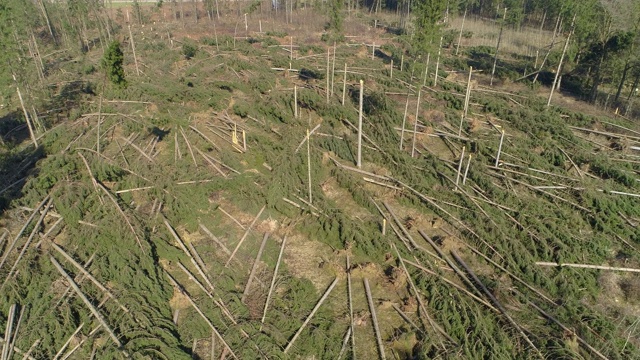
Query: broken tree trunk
(315,308)
(421,305)
(344,84)
(400,225)
(215,239)
(587,266)
(26,118)
(28,242)
(273,281)
(195,306)
(404,119)
(359,160)
(566,329)
(460,288)
(86,301)
(87,274)
(495,58)
(374,318)
(64,346)
(344,343)
(8,331)
(186,251)
(435,76)
(254,268)
(415,125)
(564,51)
(495,302)
(353,337)
(246,233)
(309,165)
(115,202)
(22,230)
(460,35)
(133,49)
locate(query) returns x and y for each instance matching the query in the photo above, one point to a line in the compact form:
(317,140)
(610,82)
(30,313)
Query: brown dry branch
(315,308)
(246,233)
(86,301)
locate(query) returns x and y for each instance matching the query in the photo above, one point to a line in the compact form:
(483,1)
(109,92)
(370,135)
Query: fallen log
(315,308)
(86,301)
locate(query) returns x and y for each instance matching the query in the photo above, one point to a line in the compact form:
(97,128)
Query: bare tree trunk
(26,117)
(46,18)
(564,50)
(495,59)
(461,27)
(133,48)
(315,309)
(359,160)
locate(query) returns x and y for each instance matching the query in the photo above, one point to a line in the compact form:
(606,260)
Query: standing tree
(112,63)
(428,14)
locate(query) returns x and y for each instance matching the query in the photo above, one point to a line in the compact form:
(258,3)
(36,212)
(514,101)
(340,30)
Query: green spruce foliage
(112,63)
